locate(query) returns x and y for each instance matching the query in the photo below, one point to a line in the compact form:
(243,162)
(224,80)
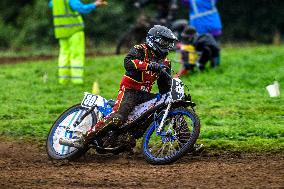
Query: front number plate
(89,100)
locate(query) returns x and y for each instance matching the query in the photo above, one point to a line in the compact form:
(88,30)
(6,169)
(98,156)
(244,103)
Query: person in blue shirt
(69,30)
(204,16)
(78,6)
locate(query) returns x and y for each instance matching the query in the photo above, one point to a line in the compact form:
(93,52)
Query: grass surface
(235,110)
(31,51)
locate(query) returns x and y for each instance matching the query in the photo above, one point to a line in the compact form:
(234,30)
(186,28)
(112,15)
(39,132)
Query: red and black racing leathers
(135,86)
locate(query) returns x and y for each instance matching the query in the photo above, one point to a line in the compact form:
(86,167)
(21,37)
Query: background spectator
(204,16)
(69,30)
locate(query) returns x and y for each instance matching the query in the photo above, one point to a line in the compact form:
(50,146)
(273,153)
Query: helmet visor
(165,43)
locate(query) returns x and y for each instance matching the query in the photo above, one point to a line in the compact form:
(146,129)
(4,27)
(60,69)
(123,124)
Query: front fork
(78,121)
(160,127)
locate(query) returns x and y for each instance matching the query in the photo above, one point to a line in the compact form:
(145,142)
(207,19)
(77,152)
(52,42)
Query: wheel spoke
(155,145)
(180,143)
(172,149)
(160,151)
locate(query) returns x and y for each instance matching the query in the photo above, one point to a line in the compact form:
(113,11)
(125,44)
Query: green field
(234,107)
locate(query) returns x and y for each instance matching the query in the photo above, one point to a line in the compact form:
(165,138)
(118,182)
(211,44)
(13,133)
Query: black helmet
(161,40)
(188,34)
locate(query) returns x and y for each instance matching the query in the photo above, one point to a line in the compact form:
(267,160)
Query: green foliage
(29,22)
(105,26)
(34,23)
(254,20)
(5,30)
(235,110)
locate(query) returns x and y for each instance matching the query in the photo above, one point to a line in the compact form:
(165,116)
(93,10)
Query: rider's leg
(127,99)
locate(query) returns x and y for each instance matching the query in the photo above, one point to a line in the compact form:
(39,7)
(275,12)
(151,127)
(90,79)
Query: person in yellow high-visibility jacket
(189,56)
(69,30)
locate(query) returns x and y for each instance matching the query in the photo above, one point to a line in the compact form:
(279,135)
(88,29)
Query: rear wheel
(180,132)
(59,130)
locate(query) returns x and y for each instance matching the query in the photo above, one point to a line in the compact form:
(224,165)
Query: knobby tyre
(181,130)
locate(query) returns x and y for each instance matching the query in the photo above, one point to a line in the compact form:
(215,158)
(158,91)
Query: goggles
(165,43)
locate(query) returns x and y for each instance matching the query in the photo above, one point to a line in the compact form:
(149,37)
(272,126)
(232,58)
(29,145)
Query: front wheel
(59,130)
(180,132)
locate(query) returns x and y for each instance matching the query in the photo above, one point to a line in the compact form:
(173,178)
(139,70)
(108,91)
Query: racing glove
(155,67)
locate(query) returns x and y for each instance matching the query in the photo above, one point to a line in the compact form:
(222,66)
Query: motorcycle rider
(144,64)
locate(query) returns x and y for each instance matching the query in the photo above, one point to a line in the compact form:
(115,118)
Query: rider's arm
(50,4)
(164,82)
(77,5)
(134,60)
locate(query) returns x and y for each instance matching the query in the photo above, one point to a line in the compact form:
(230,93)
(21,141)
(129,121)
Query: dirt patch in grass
(22,59)
(15,60)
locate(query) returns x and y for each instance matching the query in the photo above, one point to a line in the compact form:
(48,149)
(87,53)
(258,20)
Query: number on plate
(89,100)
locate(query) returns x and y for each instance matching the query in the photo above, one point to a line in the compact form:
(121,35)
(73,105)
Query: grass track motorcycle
(168,124)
